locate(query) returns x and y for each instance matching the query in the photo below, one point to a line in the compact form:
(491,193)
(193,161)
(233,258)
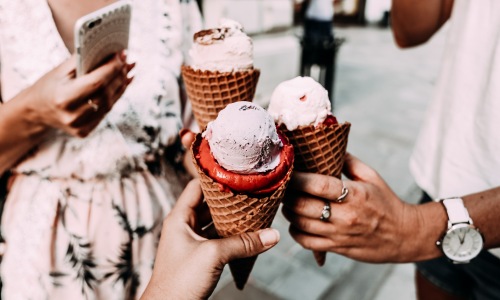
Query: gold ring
(92,104)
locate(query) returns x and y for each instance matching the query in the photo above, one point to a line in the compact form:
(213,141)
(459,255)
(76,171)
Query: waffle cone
(210,92)
(319,150)
(237,213)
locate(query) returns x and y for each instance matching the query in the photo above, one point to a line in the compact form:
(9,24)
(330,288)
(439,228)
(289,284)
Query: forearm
(428,223)
(19,133)
(413,22)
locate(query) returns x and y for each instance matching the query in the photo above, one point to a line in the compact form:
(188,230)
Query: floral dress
(83,217)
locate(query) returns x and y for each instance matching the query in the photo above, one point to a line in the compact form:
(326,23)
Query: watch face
(462,243)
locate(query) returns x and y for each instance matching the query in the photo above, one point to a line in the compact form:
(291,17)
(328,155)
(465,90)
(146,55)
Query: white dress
(83,217)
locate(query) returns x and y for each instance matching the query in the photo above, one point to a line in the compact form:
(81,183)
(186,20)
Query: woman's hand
(371,224)
(188,266)
(77,105)
(187,139)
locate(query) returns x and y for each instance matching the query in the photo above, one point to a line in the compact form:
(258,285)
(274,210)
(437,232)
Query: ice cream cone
(319,150)
(235,213)
(210,92)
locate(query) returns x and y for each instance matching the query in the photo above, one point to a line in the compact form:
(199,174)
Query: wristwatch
(462,240)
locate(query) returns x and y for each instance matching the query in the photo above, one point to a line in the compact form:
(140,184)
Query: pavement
(383,91)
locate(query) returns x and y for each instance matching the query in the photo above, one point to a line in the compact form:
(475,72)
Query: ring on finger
(326,212)
(343,194)
(92,104)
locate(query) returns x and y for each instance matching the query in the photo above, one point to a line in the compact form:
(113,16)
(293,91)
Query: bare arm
(415,21)
(17,133)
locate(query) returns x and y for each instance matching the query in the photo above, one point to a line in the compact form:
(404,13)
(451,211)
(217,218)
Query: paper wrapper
(319,150)
(236,213)
(210,92)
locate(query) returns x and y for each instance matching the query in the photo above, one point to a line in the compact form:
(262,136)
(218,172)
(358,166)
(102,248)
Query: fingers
(311,242)
(187,137)
(304,205)
(355,169)
(189,200)
(246,244)
(100,78)
(326,187)
(310,225)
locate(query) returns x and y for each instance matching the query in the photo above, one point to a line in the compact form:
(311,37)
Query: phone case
(101,34)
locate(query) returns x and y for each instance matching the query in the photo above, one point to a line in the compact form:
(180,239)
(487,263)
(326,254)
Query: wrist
(26,107)
(424,225)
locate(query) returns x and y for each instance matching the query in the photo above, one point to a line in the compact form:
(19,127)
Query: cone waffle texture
(236,213)
(210,92)
(319,150)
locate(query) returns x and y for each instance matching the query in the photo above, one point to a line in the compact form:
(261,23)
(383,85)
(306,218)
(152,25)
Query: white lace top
(140,125)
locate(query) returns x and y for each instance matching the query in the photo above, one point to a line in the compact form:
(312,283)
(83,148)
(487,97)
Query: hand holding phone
(101,34)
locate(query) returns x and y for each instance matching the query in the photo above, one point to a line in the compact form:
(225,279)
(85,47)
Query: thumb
(247,244)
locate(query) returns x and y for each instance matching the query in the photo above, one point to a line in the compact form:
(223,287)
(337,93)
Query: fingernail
(130,79)
(183,132)
(123,56)
(130,66)
(269,236)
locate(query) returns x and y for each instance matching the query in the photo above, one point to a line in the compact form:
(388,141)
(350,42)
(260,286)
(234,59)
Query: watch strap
(457,213)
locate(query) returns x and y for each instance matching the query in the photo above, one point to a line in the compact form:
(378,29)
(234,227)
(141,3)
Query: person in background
(318,43)
(456,161)
(94,161)
(188,265)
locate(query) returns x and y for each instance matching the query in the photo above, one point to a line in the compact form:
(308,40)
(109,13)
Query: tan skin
(188,264)
(373,224)
(58,99)
(415,22)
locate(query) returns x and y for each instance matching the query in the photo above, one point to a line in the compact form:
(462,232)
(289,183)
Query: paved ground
(383,92)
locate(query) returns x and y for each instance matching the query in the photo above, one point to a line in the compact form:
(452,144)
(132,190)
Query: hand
(188,266)
(368,225)
(77,105)
(187,139)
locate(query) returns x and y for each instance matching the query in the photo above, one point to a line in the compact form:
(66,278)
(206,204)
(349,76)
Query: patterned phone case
(101,34)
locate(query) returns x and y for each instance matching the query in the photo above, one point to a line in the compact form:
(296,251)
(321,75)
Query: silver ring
(326,212)
(92,104)
(342,196)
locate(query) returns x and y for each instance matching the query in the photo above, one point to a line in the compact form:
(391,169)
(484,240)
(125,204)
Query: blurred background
(382,90)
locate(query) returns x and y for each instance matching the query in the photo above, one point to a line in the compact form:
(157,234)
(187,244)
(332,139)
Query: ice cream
(224,49)
(244,164)
(221,70)
(243,151)
(299,102)
(243,139)
(301,109)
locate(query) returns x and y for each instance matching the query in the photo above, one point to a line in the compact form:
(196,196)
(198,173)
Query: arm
(188,266)
(414,22)
(59,100)
(373,224)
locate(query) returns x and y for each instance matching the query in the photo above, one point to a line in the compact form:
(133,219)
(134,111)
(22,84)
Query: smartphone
(101,34)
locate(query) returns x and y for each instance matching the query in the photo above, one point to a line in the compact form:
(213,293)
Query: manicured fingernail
(130,66)
(269,236)
(183,132)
